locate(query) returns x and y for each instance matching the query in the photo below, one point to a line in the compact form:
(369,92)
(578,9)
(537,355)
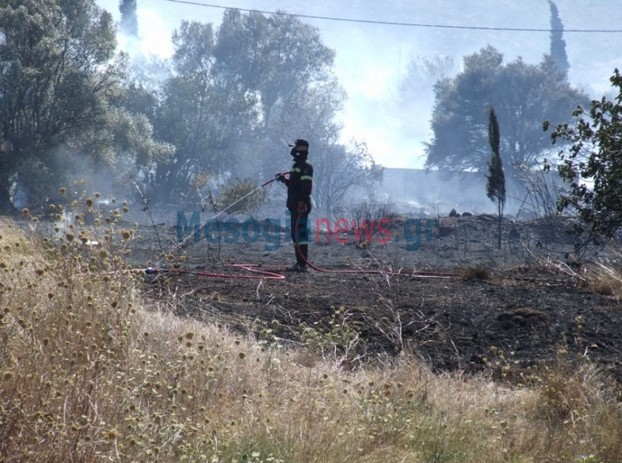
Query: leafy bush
(593,166)
(242,197)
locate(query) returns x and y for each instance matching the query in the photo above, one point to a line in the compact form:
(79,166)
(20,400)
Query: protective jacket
(300,184)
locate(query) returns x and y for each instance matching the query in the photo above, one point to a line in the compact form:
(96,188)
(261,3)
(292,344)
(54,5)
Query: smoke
(372,59)
(144,34)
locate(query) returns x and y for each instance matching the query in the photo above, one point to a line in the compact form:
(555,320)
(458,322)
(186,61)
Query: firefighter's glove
(281,178)
(302,207)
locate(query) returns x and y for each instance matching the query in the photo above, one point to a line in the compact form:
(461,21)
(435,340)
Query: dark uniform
(299,186)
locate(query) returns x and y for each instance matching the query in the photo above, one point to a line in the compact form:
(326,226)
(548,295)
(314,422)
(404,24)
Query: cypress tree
(558,44)
(495,187)
(129,22)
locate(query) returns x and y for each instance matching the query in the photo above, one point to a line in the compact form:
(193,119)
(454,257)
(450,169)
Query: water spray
(185,242)
(148,210)
(264,273)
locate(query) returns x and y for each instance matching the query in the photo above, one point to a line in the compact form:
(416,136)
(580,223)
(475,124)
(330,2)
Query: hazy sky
(372,58)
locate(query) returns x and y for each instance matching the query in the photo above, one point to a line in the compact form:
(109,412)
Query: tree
(558,44)
(592,165)
(203,113)
(523,96)
(240,93)
(303,99)
(495,187)
(129,22)
(285,64)
(60,83)
(338,170)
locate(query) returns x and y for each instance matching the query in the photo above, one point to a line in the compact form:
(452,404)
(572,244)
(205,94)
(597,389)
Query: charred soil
(454,299)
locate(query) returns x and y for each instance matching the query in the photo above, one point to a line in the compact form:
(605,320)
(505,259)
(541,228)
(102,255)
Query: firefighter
(299,183)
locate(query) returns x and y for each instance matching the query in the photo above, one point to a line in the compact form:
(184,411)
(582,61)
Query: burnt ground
(456,301)
(444,292)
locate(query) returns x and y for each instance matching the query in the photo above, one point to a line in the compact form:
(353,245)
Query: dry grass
(90,372)
(606,279)
(476,272)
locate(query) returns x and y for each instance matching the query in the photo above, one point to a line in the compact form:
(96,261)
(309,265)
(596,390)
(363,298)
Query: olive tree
(240,92)
(60,85)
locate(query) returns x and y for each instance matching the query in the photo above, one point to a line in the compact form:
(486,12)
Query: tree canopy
(60,81)
(240,93)
(231,100)
(523,96)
